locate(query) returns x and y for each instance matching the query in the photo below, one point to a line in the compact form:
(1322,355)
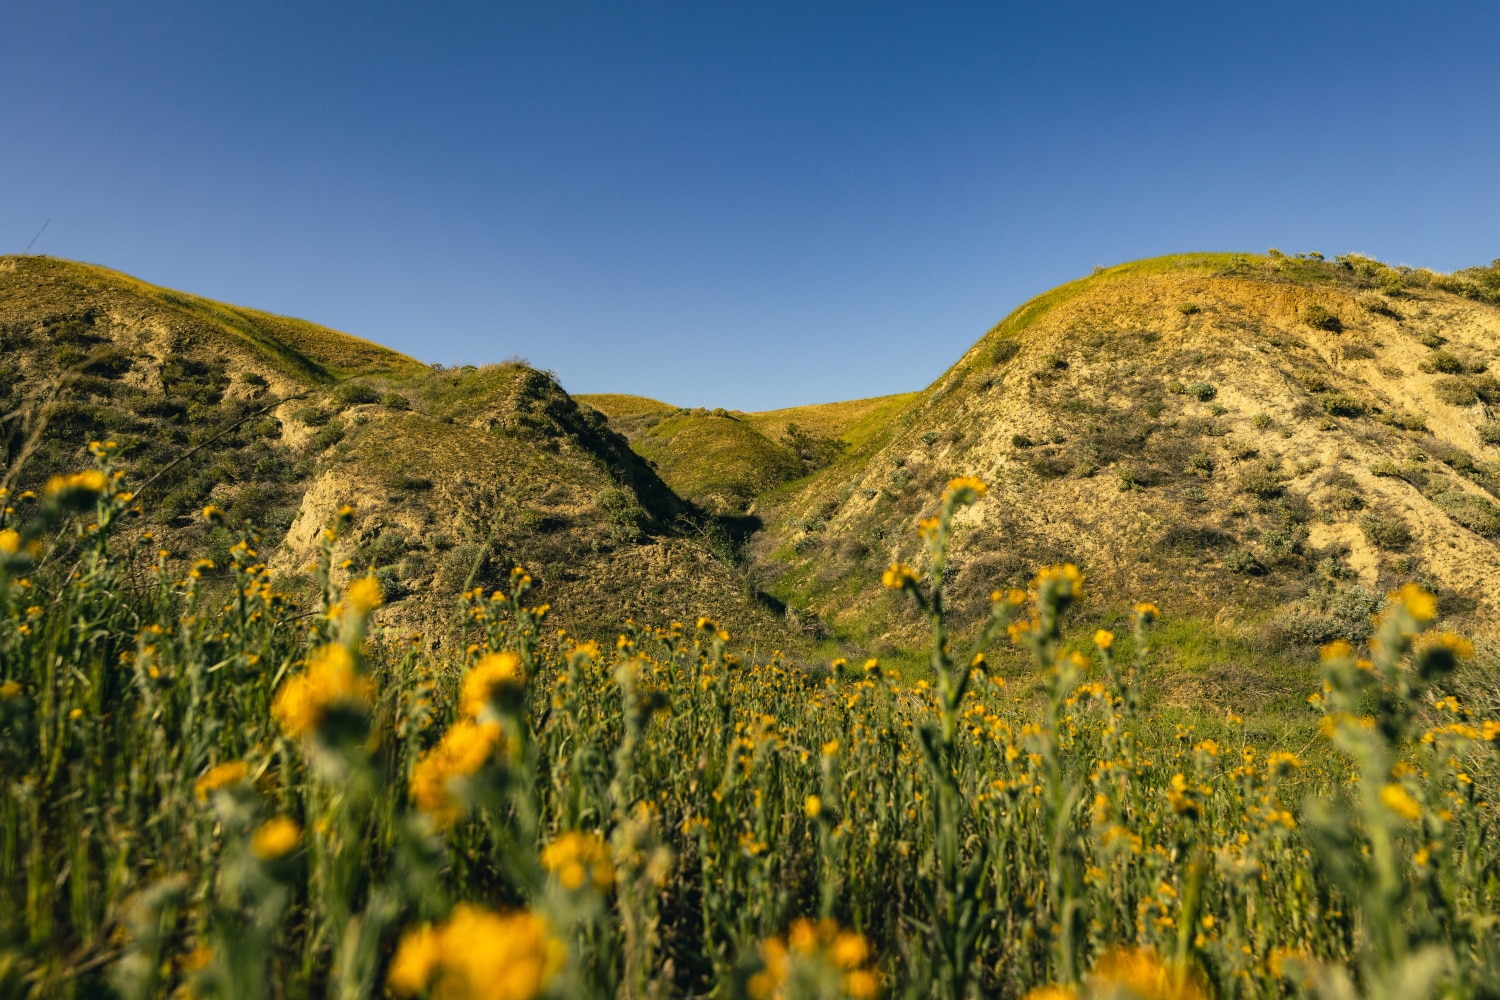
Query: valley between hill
(1261,444)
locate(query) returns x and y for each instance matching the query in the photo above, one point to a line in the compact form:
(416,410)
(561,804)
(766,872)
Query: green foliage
(1388,532)
(355,393)
(1201,391)
(1319,317)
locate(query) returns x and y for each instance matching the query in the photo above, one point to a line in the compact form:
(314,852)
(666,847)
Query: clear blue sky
(742,203)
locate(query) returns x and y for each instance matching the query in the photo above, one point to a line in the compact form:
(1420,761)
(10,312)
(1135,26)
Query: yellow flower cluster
(897,576)
(477,955)
(85,482)
(1137,973)
(275,838)
(220,776)
(965,489)
(822,947)
(466,747)
(497,679)
(579,857)
(303,702)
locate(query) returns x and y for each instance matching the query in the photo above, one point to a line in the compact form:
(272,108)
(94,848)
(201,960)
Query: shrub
(1443,361)
(1201,391)
(1005,350)
(1340,404)
(623,513)
(254,379)
(1489,432)
(328,436)
(1455,391)
(1021,441)
(1387,532)
(1358,352)
(1430,339)
(395,401)
(1243,561)
(1188,308)
(355,393)
(1261,421)
(1318,317)
(1264,481)
(312,416)
(1473,512)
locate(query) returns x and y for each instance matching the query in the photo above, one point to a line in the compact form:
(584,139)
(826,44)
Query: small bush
(1430,339)
(1243,561)
(1489,432)
(1473,512)
(1261,421)
(355,393)
(1005,350)
(1021,441)
(1200,465)
(395,401)
(1201,391)
(312,416)
(1388,533)
(1264,481)
(1340,404)
(254,379)
(328,436)
(1455,391)
(1358,352)
(1189,308)
(1443,361)
(1319,318)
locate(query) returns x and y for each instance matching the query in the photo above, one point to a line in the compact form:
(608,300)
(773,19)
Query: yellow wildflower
(577,857)
(275,838)
(1104,639)
(927,527)
(897,576)
(9,690)
(364,595)
(1399,801)
(1139,972)
(813,807)
(496,678)
(220,776)
(1147,612)
(1419,603)
(466,747)
(1053,992)
(478,955)
(1339,649)
(10,542)
(965,489)
(303,702)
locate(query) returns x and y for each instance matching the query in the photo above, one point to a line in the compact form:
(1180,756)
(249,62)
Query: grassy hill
(1262,444)
(458,474)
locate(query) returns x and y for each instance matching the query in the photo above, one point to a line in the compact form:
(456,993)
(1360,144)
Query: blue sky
(744,204)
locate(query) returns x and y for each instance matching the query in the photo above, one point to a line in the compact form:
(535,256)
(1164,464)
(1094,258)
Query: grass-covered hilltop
(1148,653)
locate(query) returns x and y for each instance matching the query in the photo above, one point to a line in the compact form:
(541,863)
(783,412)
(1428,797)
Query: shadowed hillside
(457,474)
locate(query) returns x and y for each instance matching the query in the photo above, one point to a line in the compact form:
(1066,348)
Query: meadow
(213,789)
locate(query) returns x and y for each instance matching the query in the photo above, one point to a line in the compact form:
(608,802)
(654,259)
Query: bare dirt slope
(1270,440)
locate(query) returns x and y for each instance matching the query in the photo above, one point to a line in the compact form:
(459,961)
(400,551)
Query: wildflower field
(211,791)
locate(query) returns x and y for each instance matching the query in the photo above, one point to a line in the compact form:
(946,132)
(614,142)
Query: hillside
(1263,443)
(725,460)
(457,474)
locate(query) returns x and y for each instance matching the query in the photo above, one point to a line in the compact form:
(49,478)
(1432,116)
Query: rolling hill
(1264,443)
(1261,443)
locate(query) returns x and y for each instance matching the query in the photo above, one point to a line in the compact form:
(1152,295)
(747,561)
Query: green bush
(1318,317)
(1455,391)
(355,393)
(1443,361)
(328,436)
(1340,404)
(1005,350)
(395,401)
(1387,532)
(1189,308)
(1473,512)
(1201,391)
(1489,432)
(1264,481)
(312,415)
(1243,561)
